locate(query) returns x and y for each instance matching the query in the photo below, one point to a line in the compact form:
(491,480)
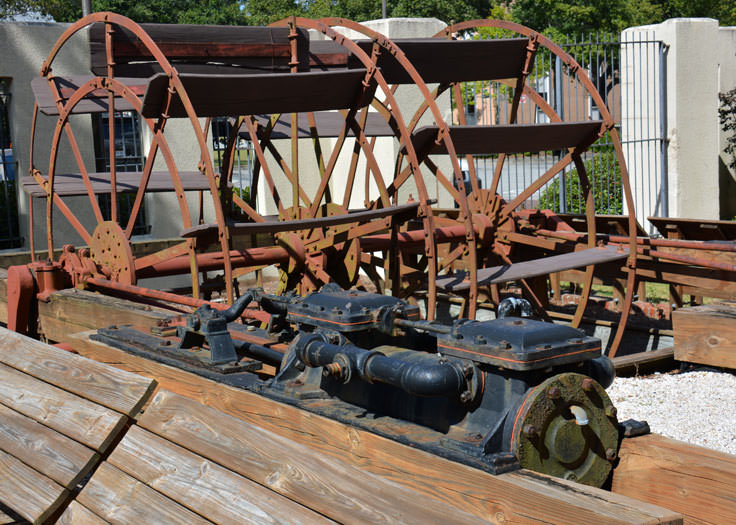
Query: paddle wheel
(411,222)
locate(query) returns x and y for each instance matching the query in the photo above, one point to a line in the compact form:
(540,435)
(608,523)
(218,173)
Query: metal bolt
(610,454)
(332,369)
(588,385)
(479,339)
(166,342)
(553,393)
(530,431)
(611,411)
(468,371)
(466,396)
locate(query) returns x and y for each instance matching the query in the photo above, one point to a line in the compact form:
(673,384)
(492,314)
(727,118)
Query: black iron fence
(128,157)
(629,77)
(9,227)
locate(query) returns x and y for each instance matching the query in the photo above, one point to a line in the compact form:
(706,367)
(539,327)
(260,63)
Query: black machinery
(495,395)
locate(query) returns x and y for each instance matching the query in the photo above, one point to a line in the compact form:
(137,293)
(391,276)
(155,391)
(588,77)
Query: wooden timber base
(706,334)
(697,482)
(516,497)
(521,496)
(642,363)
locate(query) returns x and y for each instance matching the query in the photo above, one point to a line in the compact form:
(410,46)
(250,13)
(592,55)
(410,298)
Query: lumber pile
(58,414)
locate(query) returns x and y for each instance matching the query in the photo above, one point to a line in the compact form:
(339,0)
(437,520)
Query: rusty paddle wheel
(408,220)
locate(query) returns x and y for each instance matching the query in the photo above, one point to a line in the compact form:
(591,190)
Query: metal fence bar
(643,131)
(9,223)
(242,177)
(128,158)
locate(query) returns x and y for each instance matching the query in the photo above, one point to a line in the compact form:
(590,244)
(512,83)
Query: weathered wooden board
(698,482)
(71,311)
(52,454)
(325,484)
(201,485)
(76,514)
(513,497)
(644,362)
(706,334)
(28,493)
(82,420)
(118,498)
(116,389)
(5,519)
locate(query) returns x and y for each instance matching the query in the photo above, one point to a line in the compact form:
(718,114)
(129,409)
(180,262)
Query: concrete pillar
(692,132)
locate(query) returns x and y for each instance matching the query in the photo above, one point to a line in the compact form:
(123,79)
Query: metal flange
(567,427)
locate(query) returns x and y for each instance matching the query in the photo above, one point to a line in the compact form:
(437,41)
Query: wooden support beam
(59,413)
(323,483)
(71,311)
(90,424)
(26,491)
(695,481)
(49,452)
(644,362)
(706,334)
(518,496)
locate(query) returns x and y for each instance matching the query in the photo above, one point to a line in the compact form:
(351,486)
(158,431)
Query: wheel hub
(110,251)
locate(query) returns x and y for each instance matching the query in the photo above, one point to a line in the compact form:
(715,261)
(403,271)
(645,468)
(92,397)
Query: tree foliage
(727,113)
(252,12)
(584,16)
(565,16)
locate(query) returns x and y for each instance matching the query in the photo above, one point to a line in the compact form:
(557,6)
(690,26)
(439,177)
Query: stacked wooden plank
(58,414)
(185,462)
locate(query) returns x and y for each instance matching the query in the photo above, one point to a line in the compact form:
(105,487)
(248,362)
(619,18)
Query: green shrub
(727,113)
(603,173)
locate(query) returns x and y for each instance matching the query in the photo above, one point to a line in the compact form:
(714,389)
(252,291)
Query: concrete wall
(25,46)
(695,55)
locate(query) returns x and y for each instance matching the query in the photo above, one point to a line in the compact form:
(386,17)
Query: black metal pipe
(427,377)
(426,326)
(237,308)
(260,352)
(417,373)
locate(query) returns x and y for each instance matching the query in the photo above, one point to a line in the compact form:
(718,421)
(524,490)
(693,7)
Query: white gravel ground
(698,407)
